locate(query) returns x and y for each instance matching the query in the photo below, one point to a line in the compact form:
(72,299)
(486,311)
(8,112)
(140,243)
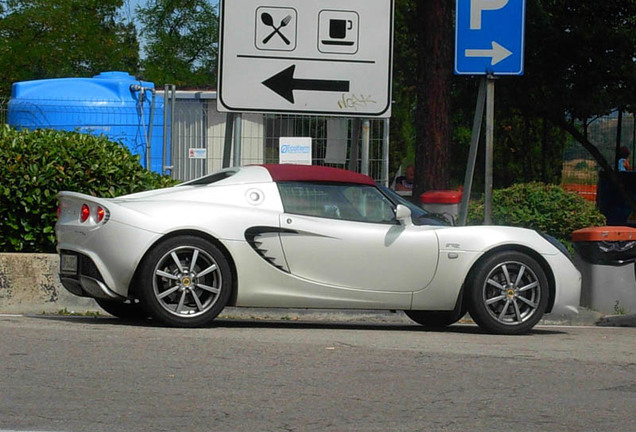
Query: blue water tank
(114,104)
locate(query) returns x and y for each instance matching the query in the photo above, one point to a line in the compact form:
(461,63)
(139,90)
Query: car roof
(315,173)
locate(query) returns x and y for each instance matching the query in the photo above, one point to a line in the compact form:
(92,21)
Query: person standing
(623,162)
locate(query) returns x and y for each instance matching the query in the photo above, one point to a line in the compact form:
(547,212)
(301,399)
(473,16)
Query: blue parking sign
(489,37)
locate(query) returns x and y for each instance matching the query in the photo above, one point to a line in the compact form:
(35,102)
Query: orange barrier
(586,191)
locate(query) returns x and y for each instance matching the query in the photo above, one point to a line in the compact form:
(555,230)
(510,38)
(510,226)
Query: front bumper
(567,278)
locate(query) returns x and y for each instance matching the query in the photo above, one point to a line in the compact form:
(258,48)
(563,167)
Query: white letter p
(477,6)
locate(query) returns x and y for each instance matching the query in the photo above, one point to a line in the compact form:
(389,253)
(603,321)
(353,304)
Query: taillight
(59,211)
(100,214)
(86,212)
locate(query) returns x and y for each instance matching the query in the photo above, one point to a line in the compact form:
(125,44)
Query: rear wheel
(433,319)
(185,282)
(129,309)
(508,293)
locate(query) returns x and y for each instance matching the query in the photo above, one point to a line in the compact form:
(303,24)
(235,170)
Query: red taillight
(100,214)
(59,211)
(86,212)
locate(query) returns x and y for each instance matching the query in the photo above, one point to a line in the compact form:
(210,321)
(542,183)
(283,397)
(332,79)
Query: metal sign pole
(490,121)
(238,134)
(227,147)
(472,155)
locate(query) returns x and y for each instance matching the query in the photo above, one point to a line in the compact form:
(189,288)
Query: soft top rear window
(209,179)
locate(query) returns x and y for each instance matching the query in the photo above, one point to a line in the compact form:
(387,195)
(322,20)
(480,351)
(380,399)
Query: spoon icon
(267,19)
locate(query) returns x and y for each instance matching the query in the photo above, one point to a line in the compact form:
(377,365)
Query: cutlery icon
(267,19)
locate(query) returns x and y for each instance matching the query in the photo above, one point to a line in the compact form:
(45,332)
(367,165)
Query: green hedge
(36,165)
(546,208)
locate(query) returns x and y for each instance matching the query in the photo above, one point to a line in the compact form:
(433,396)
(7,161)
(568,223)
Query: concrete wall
(29,283)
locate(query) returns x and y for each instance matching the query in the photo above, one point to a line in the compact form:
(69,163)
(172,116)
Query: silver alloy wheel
(187,281)
(511,293)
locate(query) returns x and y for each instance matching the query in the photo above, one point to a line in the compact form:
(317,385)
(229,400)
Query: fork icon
(267,19)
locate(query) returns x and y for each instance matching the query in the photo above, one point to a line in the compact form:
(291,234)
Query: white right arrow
(497,53)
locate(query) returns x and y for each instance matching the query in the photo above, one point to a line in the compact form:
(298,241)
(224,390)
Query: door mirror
(403,215)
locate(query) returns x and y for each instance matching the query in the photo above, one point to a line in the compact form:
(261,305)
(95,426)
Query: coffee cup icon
(338,28)
(338,32)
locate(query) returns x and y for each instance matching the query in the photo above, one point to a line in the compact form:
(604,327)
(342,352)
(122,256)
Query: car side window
(360,203)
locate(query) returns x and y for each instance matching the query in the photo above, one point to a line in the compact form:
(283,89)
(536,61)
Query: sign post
(489,41)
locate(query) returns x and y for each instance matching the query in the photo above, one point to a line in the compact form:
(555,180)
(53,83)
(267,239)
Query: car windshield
(418,214)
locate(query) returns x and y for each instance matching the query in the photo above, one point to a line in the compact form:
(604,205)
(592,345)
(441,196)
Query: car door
(347,236)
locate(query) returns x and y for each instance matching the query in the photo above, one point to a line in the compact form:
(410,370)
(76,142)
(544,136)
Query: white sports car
(303,237)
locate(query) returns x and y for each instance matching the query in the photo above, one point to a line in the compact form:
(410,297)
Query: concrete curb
(29,284)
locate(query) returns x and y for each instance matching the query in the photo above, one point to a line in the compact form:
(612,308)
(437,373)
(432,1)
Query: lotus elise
(293,236)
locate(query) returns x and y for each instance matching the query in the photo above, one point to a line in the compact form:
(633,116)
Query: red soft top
(290,172)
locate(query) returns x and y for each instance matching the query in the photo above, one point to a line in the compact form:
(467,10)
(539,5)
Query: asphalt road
(102,374)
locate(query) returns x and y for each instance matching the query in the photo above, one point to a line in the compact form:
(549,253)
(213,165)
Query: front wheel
(185,282)
(508,293)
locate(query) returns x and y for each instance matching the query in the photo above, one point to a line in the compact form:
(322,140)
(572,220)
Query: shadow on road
(292,325)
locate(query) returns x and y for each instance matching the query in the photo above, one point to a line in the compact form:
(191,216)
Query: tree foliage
(579,63)
(39,164)
(579,59)
(181,40)
(60,38)
(546,208)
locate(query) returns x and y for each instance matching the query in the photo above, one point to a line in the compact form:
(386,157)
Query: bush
(546,208)
(36,165)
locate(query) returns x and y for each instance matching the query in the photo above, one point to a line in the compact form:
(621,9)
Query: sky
(128,11)
(131,5)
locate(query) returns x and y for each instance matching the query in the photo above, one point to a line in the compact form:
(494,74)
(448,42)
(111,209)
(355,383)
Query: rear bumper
(86,281)
(108,257)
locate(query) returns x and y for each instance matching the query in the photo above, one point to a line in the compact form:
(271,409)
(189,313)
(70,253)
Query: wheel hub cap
(187,281)
(512,293)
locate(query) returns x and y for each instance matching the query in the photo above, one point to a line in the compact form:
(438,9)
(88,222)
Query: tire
(433,319)
(508,293)
(127,310)
(185,282)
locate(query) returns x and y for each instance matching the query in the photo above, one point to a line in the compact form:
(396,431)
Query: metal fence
(580,171)
(198,131)
(193,140)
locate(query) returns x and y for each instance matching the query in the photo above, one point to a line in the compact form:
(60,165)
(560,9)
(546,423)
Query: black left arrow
(284,84)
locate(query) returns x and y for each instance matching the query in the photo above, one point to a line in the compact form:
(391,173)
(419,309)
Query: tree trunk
(432,116)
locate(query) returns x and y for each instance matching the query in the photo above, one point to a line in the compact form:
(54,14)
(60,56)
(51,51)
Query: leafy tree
(402,133)
(580,63)
(60,38)
(181,42)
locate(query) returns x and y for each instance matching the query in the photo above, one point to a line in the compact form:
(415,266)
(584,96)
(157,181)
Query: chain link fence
(580,171)
(192,140)
(198,133)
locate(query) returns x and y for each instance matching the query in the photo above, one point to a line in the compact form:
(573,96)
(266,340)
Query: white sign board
(329,57)
(197,153)
(294,150)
